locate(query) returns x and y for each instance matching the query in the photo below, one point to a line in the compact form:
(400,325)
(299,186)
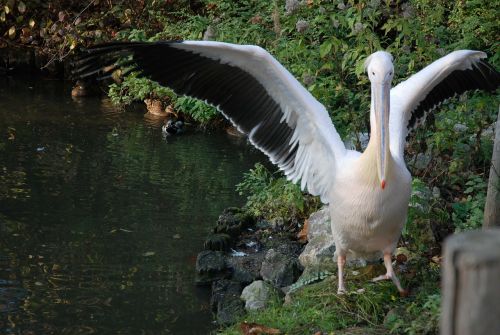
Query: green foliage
(273,197)
(468,212)
(476,22)
(417,228)
(196,109)
(420,314)
(461,150)
(134,88)
(425,312)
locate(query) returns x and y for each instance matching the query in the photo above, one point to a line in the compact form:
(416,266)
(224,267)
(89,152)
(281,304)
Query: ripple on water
(100,218)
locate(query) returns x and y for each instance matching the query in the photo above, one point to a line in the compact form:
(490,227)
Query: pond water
(101,218)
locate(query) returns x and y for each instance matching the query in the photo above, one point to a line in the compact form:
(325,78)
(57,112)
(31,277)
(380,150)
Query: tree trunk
(492,206)
(471,284)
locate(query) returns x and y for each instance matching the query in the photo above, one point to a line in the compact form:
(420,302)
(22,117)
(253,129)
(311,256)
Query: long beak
(381,94)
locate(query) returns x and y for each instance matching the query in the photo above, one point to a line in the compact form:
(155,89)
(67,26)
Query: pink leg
(390,274)
(341,263)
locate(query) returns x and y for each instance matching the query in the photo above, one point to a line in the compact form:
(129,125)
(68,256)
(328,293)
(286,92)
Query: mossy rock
(217,242)
(233,221)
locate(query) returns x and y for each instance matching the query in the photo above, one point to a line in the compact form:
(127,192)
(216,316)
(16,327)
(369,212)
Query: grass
(318,308)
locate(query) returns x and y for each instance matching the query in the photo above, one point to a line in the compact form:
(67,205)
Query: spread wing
(453,74)
(252,89)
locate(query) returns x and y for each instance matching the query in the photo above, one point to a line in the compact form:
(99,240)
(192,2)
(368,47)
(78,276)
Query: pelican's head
(379,67)
(380,71)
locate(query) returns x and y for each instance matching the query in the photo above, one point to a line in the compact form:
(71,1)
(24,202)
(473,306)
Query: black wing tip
(94,60)
(481,77)
(119,45)
(490,75)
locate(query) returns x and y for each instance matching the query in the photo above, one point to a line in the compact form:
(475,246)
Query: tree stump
(471,284)
(155,107)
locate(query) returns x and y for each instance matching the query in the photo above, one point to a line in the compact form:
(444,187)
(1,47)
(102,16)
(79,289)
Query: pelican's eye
(373,72)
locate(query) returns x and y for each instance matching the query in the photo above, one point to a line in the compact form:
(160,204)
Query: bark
(492,206)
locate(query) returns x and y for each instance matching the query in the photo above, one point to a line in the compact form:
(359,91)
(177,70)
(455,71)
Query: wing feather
(414,98)
(251,88)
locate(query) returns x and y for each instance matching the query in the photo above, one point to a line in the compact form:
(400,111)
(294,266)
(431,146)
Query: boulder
(291,6)
(257,295)
(217,242)
(320,249)
(210,266)
(226,302)
(422,161)
(246,269)
(460,128)
(489,132)
(280,269)
(233,221)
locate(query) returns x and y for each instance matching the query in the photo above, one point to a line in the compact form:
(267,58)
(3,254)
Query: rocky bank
(248,261)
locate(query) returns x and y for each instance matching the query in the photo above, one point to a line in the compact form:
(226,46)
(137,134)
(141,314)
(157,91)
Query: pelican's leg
(341,264)
(390,274)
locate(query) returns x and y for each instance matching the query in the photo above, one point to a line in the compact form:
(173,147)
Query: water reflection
(101,219)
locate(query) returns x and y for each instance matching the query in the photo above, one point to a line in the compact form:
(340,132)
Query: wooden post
(471,284)
(492,206)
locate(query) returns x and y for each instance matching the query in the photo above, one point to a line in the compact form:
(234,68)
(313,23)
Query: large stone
(291,6)
(233,221)
(210,266)
(226,302)
(460,128)
(489,132)
(320,249)
(422,161)
(246,269)
(280,269)
(257,295)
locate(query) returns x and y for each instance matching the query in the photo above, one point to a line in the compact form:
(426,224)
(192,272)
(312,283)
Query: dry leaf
(12,32)
(302,235)
(62,16)
(11,133)
(211,6)
(401,258)
(256,19)
(437,259)
(256,329)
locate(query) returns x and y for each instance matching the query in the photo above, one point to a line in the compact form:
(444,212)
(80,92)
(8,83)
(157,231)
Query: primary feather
(254,91)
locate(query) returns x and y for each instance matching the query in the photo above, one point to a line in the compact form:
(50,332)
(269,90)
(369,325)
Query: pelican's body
(366,218)
(368,192)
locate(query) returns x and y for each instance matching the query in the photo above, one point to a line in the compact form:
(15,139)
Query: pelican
(368,192)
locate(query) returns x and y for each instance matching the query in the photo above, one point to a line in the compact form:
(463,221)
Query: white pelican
(368,192)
